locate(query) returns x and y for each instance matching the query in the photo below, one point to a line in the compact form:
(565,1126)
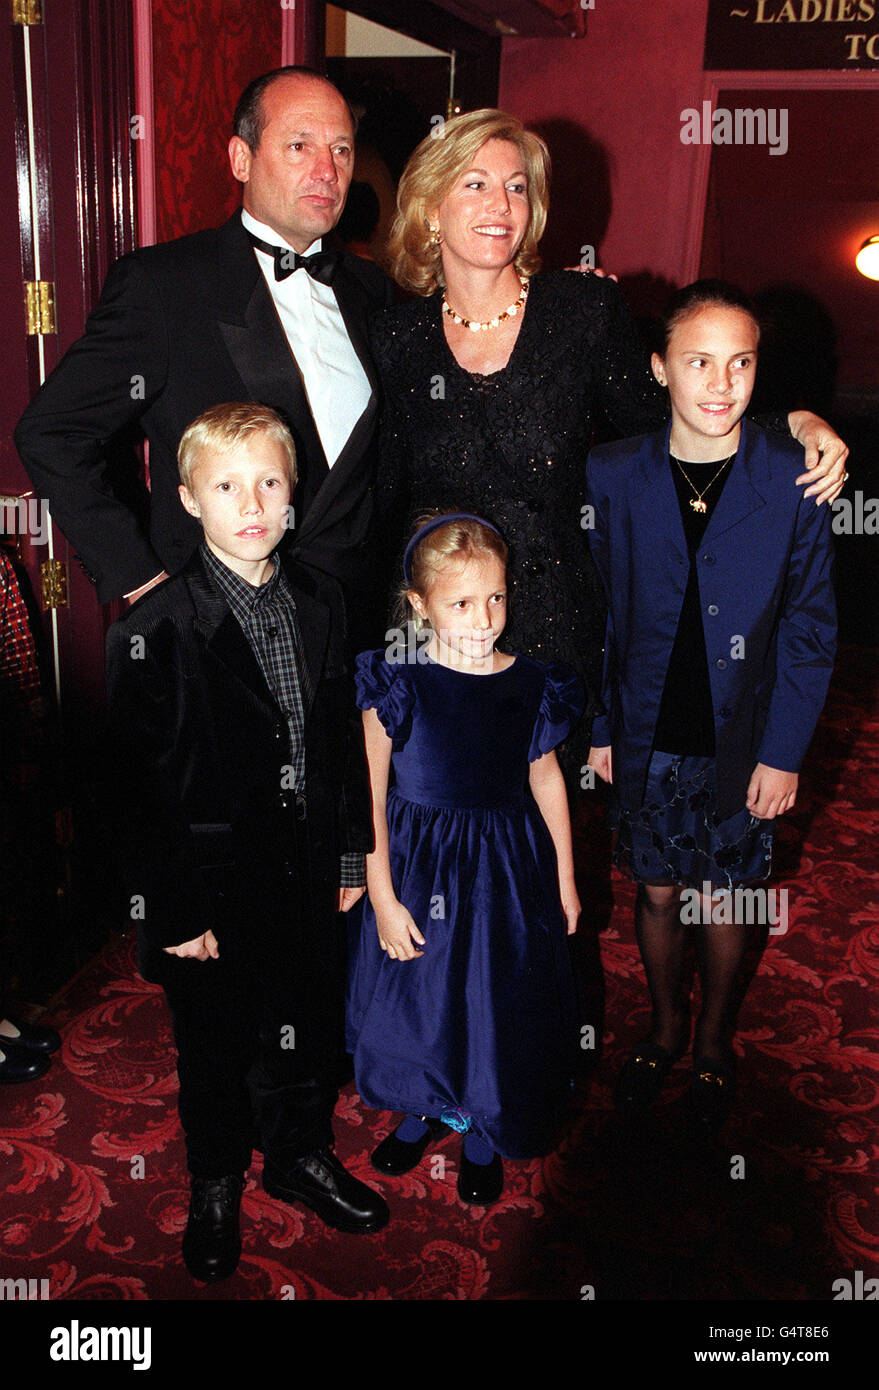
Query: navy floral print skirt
(676,836)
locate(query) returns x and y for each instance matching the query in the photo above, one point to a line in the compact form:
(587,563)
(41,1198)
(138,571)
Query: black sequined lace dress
(512,446)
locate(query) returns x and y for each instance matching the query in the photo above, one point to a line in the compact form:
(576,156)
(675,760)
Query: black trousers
(260,1030)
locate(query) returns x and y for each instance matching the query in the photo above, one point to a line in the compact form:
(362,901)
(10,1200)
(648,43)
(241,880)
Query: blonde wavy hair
(434,167)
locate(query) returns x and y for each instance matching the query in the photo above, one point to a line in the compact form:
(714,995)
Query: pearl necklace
(508,313)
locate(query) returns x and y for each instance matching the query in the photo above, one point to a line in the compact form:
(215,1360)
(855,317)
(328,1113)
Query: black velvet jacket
(208,830)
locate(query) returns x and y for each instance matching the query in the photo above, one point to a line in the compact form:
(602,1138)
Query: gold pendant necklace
(696,501)
(475,325)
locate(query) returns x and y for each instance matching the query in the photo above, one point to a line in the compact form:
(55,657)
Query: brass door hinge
(53,582)
(39,297)
(27,11)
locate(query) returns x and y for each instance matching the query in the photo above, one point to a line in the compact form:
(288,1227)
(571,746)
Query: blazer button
(713,609)
(724,711)
(709,559)
(720,663)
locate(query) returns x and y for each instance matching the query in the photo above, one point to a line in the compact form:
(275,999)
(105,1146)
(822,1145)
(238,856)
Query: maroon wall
(805,224)
(610,106)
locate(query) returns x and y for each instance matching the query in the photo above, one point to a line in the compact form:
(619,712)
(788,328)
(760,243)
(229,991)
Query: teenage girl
(719,647)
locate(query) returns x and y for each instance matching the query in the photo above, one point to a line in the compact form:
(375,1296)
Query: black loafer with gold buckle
(713,1090)
(641,1077)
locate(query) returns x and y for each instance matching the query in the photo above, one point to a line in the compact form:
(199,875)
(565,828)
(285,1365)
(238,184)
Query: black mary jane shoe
(480,1184)
(339,1199)
(641,1077)
(17,1064)
(32,1037)
(397,1156)
(211,1241)
(713,1090)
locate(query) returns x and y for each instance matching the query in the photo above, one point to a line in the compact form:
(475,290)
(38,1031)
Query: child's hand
(771,792)
(348,897)
(601,759)
(397,932)
(199,948)
(570,904)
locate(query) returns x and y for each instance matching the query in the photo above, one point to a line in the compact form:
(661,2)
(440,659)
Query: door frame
(738,80)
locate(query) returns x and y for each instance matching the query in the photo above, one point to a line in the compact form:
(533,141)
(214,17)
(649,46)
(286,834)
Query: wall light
(867,259)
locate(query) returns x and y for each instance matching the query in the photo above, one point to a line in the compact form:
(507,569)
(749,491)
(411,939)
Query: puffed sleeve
(561,705)
(385,687)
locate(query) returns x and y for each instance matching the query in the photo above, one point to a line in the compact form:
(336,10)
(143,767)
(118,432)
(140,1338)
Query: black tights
(720,949)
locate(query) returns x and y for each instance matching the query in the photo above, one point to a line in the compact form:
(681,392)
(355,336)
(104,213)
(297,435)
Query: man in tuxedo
(221,315)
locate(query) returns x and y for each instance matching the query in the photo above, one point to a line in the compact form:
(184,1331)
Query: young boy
(246,805)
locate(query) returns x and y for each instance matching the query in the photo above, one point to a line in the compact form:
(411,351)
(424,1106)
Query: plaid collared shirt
(267,614)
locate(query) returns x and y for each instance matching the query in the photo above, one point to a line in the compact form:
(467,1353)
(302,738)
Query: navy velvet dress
(486,1021)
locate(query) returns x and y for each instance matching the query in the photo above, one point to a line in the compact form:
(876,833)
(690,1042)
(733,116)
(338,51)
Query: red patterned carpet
(96,1190)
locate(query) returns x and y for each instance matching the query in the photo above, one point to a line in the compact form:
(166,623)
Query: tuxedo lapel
(351,301)
(340,475)
(255,340)
(353,308)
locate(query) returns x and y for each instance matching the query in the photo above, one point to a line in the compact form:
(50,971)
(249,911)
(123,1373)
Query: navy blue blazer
(768,606)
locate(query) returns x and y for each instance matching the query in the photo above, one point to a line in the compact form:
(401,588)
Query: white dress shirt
(336,385)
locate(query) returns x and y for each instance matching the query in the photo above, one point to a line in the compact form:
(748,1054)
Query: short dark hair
(249,119)
(699,295)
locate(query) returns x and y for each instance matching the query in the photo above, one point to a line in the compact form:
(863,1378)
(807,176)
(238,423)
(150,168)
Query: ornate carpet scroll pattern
(95,1189)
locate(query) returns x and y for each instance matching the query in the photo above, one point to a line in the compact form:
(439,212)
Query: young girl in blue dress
(718,654)
(462,1003)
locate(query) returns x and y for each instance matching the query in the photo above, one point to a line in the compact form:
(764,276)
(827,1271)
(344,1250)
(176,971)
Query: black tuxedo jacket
(200,750)
(180,327)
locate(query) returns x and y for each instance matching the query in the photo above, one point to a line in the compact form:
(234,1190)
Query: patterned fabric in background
(19,673)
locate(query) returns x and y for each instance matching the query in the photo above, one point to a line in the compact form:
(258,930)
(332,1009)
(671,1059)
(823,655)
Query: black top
(512,446)
(686,714)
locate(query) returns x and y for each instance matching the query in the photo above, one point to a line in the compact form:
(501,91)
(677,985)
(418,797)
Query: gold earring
(434,238)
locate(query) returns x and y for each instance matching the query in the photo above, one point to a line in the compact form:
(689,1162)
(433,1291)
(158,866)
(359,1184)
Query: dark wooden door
(67,208)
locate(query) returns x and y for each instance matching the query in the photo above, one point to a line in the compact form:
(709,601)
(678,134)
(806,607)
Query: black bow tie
(321,265)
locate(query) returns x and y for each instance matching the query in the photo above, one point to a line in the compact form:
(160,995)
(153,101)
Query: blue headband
(433,525)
